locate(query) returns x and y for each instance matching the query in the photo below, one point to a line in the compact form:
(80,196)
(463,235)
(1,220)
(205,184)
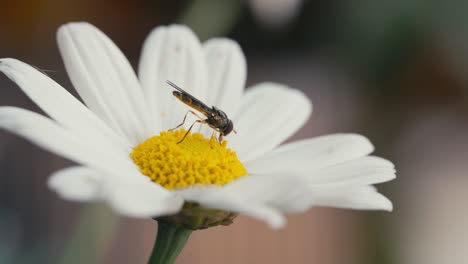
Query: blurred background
(393,70)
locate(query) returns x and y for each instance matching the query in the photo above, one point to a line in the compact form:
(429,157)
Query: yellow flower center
(196,160)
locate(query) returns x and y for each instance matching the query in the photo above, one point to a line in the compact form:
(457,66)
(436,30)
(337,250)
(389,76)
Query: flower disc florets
(194,161)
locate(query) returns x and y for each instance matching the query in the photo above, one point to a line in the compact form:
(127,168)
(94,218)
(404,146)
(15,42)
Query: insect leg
(221,134)
(188,131)
(183,121)
(185,117)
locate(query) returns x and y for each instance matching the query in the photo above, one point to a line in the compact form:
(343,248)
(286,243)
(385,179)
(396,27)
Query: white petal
(136,198)
(249,193)
(295,193)
(105,80)
(269,114)
(366,170)
(219,198)
(227,70)
(171,53)
(351,197)
(59,104)
(364,198)
(76,184)
(299,190)
(142,199)
(49,135)
(264,190)
(311,154)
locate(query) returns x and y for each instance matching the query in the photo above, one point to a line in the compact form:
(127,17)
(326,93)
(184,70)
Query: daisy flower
(131,159)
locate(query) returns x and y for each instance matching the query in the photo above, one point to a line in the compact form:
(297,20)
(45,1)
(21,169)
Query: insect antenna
(173,85)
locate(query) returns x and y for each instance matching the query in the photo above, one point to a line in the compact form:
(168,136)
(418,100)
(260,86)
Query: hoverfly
(216,118)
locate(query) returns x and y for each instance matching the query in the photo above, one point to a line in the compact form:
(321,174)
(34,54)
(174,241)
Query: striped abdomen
(192,102)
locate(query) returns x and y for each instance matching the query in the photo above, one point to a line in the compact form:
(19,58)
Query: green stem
(169,243)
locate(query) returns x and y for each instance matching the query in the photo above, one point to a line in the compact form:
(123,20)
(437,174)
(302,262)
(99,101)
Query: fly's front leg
(220,137)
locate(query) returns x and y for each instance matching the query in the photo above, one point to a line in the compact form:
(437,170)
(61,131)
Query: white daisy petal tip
(227,50)
(385,203)
(276,221)
(362,141)
(13,68)
(374,202)
(389,207)
(382,162)
(74,23)
(5,61)
(367,198)
(65,29)
(75,184)
(225,45)
(182,29)
(298,95)
(176,31)
(272,217)
(6,67)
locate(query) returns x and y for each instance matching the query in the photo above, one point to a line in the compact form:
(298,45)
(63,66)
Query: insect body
(215,118)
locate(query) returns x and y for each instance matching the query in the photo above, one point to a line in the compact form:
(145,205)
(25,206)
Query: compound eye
(228,128)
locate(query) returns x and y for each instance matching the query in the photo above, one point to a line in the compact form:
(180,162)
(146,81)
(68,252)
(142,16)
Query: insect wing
(191,100)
